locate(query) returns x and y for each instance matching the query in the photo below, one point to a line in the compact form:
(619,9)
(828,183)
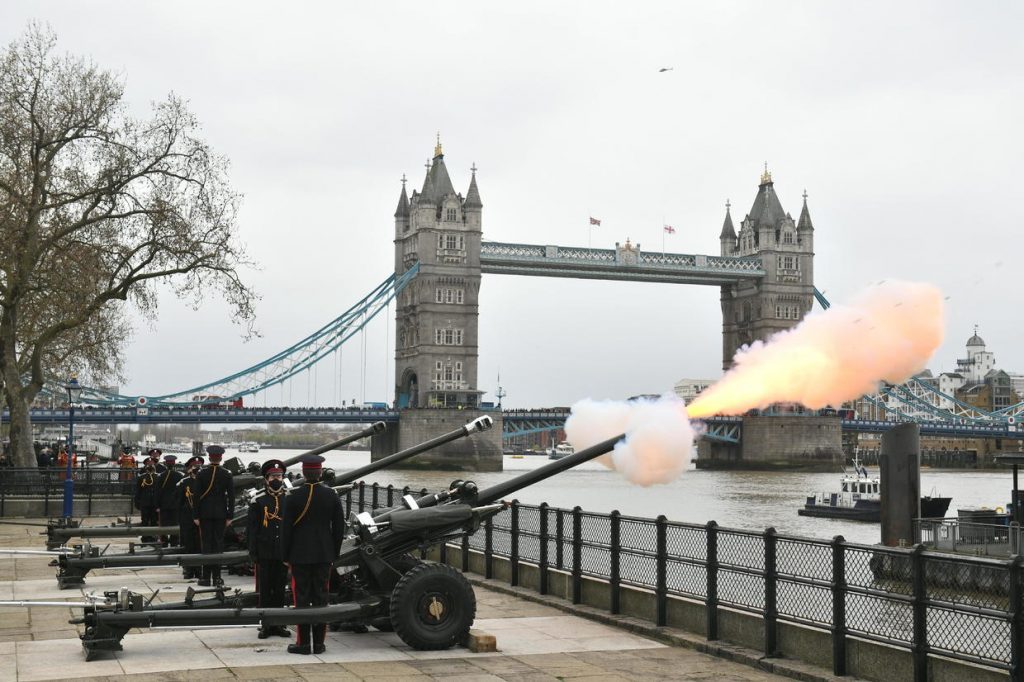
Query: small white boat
(561,450)
(248,447)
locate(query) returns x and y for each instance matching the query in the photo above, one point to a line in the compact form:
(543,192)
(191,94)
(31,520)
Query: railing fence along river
(925,603)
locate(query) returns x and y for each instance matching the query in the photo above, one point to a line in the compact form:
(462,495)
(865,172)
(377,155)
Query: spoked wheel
(432,607)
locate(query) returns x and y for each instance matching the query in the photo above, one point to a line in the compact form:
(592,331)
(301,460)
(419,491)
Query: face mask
(275,484)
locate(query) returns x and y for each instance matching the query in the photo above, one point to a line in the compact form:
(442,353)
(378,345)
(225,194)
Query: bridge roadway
(515,422)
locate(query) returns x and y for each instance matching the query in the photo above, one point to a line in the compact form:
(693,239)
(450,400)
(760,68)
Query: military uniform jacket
(166,485)
(214,493)
(263,529)
(185,497)
(313,525)
(146,494)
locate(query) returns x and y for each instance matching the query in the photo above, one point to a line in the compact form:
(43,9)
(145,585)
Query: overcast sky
(901,120)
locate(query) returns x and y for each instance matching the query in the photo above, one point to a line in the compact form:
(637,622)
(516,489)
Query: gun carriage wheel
(432,607)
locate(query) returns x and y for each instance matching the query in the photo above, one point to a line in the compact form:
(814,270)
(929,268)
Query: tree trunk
(23,454)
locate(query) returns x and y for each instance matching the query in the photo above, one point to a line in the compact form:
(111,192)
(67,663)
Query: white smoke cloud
(659,436)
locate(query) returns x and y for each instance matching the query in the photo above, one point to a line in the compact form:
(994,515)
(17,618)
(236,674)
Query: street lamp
(74,390)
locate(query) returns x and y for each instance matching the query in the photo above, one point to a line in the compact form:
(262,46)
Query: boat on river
(561,450)
(860,499)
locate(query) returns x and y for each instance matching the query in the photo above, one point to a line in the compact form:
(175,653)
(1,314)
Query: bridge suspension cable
(276,369)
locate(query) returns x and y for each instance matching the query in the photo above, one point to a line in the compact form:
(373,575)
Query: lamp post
(74,390)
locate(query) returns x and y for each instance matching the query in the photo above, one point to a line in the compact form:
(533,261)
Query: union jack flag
(595,221)
(670,229)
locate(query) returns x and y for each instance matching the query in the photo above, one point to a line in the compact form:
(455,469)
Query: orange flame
(887,333)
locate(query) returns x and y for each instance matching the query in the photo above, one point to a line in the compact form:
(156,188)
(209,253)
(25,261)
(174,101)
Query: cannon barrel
(476,426)
(505,488)
(112,532)
(376,427)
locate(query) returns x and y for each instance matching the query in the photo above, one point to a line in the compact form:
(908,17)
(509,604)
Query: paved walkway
(536,642)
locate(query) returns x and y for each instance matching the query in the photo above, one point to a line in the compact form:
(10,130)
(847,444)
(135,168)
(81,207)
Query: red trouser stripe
(295,602)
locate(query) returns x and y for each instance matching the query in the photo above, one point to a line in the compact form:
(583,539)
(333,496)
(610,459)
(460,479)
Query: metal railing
(47,484)
(928,603)
(966,537)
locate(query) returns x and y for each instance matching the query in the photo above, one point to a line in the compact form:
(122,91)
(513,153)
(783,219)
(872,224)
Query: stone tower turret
(437,314)
(754,310)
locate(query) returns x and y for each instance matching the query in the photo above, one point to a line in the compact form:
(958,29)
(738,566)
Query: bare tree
(97,208)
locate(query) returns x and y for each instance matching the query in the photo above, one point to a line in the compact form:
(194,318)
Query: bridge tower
(754,310)
(436,319)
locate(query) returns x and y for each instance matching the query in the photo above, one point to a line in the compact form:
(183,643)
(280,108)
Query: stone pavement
(535,641)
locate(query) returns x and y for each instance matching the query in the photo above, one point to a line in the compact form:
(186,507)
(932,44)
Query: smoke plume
(659,436)
(887,333)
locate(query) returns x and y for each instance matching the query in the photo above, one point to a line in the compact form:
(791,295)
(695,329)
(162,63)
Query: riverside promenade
(535,641)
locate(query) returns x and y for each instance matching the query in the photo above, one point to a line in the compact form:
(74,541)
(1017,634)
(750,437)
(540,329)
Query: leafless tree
(97,209)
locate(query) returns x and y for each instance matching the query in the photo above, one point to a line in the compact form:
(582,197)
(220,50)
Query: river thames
(751,500)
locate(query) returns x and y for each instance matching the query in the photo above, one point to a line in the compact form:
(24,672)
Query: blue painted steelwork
(580,263)
(275,369)
(195,415)
(822,301)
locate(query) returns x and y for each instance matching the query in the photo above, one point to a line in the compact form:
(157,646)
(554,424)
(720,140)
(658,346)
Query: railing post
(543,561)
(362,496)
(514,549)
(442,553)
(374,496)
(391,495)
(919,602)
(838,605)
(615,546)
(577,555)
(771,606)
(661,564)
(559,538)
(465,553)
(712,581)
(1016,619)
(489,547)
(348,503)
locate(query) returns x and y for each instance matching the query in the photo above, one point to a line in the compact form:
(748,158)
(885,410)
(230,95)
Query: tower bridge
(764,273)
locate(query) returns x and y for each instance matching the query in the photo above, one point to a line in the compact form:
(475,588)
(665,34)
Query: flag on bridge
(595,221)
(670,229)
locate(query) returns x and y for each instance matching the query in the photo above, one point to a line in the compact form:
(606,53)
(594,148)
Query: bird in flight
(665,68)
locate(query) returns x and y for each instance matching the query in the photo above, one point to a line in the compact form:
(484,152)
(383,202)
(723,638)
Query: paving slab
(49,660)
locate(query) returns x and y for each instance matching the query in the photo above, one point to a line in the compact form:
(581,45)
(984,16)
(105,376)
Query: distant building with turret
(975,382)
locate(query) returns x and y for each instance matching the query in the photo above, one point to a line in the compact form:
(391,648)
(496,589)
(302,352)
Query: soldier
(186,498)
(311,534)
(127,465)
(146,496)
(167,488)
(215,508)
(264,535)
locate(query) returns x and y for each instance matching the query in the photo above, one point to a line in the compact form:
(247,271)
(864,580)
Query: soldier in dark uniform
(311,534)
(216,506)
(146,497)
(186,498)
(167,489)
(264,535)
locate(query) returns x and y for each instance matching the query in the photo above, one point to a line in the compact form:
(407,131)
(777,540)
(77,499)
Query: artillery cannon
(60,531)
(73,569)
(429,605)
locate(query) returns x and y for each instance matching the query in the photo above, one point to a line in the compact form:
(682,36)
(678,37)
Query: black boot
(297,649)
(319,648)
